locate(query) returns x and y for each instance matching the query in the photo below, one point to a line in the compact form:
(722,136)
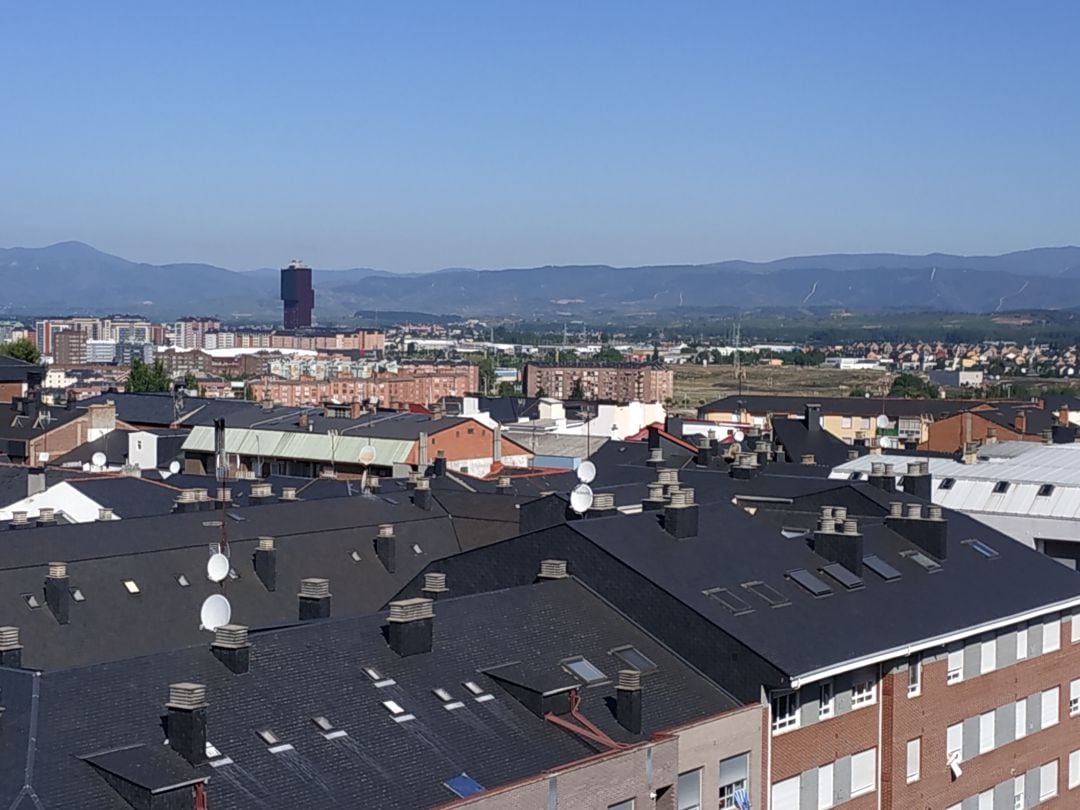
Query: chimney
(266,563)
(852,455)
(628,700)
(813,418)
(105,513)
(654,437)
(356,408)
(603,504)
(224,495)
(839,541)
(288,493)
(19,520)
(386,547)
(882,476)
(46,516)
(440,464)
(553,569)
(57,592)
(669,478)
(656,457)
(704,451)
(681,515)
(917,481)
(435,585)
(304,422)
(655,499)
(422,494)
(261,492)
(1063,415)
(422,450)
(929,533)
(762,453)
(807,459)
(410,626)
(1048,436)
(971,453)
(745,467)
(505,484)
(1020,422)
(230,646)
(35,481)
(187,501)
(186,721)
(860,438)
(991,435)
(496,449)
(314,599)
(267,405)
(10,648)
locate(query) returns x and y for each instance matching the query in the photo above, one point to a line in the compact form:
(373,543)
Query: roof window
(379,679)
(463,785)
(182,581)
(1001,487)
(982,548)
(268,737)
(416,549)
(736,604)
(132,587)
(1045,491)
(78,595)
(768,593)
(354,555)
(31,600)
(921,559)
(809,582)
(855,476)
(880,567)
(946,483)
(585,669)
(393,707)
(323,723)
(842,575)
(442,694)
(635,659)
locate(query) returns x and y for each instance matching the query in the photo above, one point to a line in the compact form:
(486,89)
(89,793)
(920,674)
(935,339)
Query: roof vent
(934,512)
(46,514)
(435,583)
(411,624)
(629,679)
(187,696)
(105,513)
(656,457)
(261,490)
(10,648)
(224,494)
(57,570)
(504,482)
(18,518)
(231,635)
(314,588)
(314,599)
(896,509)
(409,610)
(266,544)
(603,501)
(288,493)
(386,530)
(553,569)
(913,510)
(839,513)
(628,700)
(667,476)
(188,496)
(807,459)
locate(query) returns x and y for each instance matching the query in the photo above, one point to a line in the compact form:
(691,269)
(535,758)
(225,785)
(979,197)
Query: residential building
(407,386)
(17,378)
(69,347)
(617,382)
(190,332)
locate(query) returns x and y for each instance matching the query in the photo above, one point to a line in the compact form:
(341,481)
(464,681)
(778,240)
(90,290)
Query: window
(808,581)
(863,772)
(355,556)
(986,800)
(954,741)
(1001,487)
(989,655)
(986,732)
(1049,708)
(1045,491)
(1074,769)
(585,670)
(863,693)
(914,757)
(1021,719)
(845,421)
(627,805)
(1074,631)
(725,597)
(78,595)
(914,675)
(768,593)
(1051,635)
(922,560)
(634,658)
(785,795)
(268,737)
(31,601)
(880,567)
(825,700)
(1048,781)
(785,709)
(131,586)
(1074,698)
(1021,642)
(182,581)
(825,786)
(1018,792)
(982,548)
(947,483)
(955,672)
(849,580)
(689,790)
(733,778)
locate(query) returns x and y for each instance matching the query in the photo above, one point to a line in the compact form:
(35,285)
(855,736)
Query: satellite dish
(174,467)
(882,421)
(216,612)
(738,436)
(586,472)
(98,459)
(217,567)
(581,498)
(367,454)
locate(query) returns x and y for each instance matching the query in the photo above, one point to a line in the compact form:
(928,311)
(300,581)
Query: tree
(21,349)
(912,386)
(487,375)
(507,389)
(577,390)
(144,378)
(191,382)
(609,354)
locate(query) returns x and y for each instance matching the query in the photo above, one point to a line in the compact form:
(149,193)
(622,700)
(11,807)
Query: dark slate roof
(113,444)
(797,441)
(314,539)
(853,406)
(315,670)
(14,485)
(23,426)
(163,409)
(128,496)
(15,370)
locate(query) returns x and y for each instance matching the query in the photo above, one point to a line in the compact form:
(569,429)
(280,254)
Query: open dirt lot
(696,385)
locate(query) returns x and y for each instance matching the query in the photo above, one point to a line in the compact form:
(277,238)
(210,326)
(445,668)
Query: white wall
(62,497)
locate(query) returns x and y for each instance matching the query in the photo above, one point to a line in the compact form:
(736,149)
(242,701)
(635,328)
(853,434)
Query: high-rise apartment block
(298,295)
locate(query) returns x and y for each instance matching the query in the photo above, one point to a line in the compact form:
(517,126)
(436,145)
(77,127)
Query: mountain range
(72,277)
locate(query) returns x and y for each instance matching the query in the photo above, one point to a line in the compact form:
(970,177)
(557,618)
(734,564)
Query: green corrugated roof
(296,445)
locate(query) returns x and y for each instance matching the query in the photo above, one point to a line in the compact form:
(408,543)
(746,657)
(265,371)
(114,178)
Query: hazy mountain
(73,277)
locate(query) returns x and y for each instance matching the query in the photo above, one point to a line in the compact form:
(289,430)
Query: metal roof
(295,445)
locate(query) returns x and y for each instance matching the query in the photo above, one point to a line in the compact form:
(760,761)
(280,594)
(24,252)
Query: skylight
(378,677)
(268,737)
(736,604)
(768,593)
(634,658)
(236,516)
(355,556)
(416,549)
(849,580)
(131,586)
(32,601)
(473,687)
(946,483)
(442,694)
(856,476)
(808,581)
(585,669)
(182,581)
(1045,491)
(78,595)
(393,707)
(323,723)
(1001,487)
(982,548)
(881,568)
(921,559)
(463,785)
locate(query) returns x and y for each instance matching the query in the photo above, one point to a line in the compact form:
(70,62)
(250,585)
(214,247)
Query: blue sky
(415,136)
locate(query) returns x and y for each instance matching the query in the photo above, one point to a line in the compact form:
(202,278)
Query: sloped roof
(300,445)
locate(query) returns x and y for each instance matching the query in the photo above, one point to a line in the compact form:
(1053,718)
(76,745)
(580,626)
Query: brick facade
(618,382)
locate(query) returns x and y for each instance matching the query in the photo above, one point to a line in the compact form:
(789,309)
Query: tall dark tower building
(297,294)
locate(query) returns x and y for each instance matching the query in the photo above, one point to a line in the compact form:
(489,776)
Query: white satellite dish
(217,567)
(581,498)
(216,612)
(738,436)
(367,454)
(98,459)
(174,467)
(882,421)
(586,472)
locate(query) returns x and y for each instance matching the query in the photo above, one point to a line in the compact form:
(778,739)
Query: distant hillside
(73,277)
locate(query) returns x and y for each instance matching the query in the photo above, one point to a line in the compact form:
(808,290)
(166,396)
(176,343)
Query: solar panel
(463,785)
(804,578)
(881,568)
(736,604)
(849,580)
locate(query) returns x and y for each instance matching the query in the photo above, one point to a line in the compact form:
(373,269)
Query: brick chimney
(628,700)
(57,592)
(839,541)
(314,599)
(185,721)
(1020,422)
(10,648)
(265,562)
(230,646)
(411,624)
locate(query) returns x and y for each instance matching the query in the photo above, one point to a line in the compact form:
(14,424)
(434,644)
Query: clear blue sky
(414,136)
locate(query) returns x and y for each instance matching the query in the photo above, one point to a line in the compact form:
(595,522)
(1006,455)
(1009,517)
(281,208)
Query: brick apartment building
(17,377)
(619,382)
(407,387)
